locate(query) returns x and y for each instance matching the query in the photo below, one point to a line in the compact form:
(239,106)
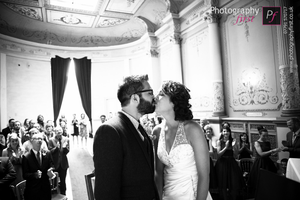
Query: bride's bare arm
(197,139)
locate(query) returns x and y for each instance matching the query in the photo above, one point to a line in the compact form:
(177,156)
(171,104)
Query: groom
(123,155)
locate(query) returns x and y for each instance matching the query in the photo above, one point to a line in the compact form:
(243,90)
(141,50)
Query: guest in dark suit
(37,168)
(59,146)
(2,143)
(7,176)
(9,128)
(123,153)
(293,138)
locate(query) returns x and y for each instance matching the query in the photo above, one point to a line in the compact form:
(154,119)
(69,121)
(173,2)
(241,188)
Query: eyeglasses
(37,138)
(141,91)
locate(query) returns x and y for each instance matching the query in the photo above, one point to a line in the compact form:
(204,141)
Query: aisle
(81,163)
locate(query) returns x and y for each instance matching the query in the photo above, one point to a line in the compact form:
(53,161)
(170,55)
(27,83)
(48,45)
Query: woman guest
(183,158)
(64,127)
(49,132)
(15,151)
(262,160)
(83,129)
(213,183)
(229,174)
(26,124)
(245,148)
(75,128)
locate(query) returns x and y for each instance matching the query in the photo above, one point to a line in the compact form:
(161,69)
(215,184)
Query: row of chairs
(20,188)
(245,165)
(89,178)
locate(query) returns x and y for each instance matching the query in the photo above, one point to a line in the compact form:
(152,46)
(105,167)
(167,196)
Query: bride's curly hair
(179,96)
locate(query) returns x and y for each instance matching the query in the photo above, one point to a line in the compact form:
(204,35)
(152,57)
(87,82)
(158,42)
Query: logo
(271,15)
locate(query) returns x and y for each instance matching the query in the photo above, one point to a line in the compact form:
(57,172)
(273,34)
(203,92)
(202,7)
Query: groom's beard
(145,107)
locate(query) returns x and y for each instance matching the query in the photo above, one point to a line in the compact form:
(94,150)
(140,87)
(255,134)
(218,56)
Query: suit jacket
(293,148)
(123,168)
(59,155)
(37,188)
(5,132)
(7,176)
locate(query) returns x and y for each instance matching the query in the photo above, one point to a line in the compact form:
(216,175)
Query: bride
(182,157)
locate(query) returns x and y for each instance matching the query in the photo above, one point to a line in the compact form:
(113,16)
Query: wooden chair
(55,189)
(89,185)
(246,165)
(19,189)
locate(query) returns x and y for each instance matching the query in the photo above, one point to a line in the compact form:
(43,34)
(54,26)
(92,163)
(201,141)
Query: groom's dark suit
(36,188)
(123,168)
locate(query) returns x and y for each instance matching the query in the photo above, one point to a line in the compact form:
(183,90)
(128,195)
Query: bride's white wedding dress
(180,173)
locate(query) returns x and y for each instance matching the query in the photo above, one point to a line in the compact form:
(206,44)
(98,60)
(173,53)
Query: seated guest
(27,146)
(37,169)
(282,167)
(7,176)
(60,147)
(14,152)
(245,148)
(262,160)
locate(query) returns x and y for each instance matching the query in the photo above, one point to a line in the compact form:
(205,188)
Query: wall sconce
(253,89)
(251,78)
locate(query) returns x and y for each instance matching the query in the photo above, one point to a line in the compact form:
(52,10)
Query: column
(3,91)
(288,68)
(155,78)
(175,39)
(215,64)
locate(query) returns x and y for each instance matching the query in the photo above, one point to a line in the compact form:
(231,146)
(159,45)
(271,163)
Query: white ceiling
(83,23)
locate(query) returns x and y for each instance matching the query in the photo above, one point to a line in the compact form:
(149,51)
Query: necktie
(143,132)
(294,137)
(60,144)
(39,158)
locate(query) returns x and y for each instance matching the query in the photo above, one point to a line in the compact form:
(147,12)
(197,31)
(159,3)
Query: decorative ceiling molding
(23,2)
(109,22)
(78,23)
(31,12)
(128,6)
(70,19)
(91,7)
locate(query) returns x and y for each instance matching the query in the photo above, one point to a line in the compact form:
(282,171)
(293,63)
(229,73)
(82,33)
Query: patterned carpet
(81,163)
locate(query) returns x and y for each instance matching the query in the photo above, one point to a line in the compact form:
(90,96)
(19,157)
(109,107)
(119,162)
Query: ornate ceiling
(84,23)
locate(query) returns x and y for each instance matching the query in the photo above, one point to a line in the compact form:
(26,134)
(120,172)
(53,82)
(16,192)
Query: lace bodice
(180,171)
(180,150)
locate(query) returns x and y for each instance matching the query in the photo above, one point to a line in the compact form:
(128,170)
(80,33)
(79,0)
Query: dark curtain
(83,76)
(59,70)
